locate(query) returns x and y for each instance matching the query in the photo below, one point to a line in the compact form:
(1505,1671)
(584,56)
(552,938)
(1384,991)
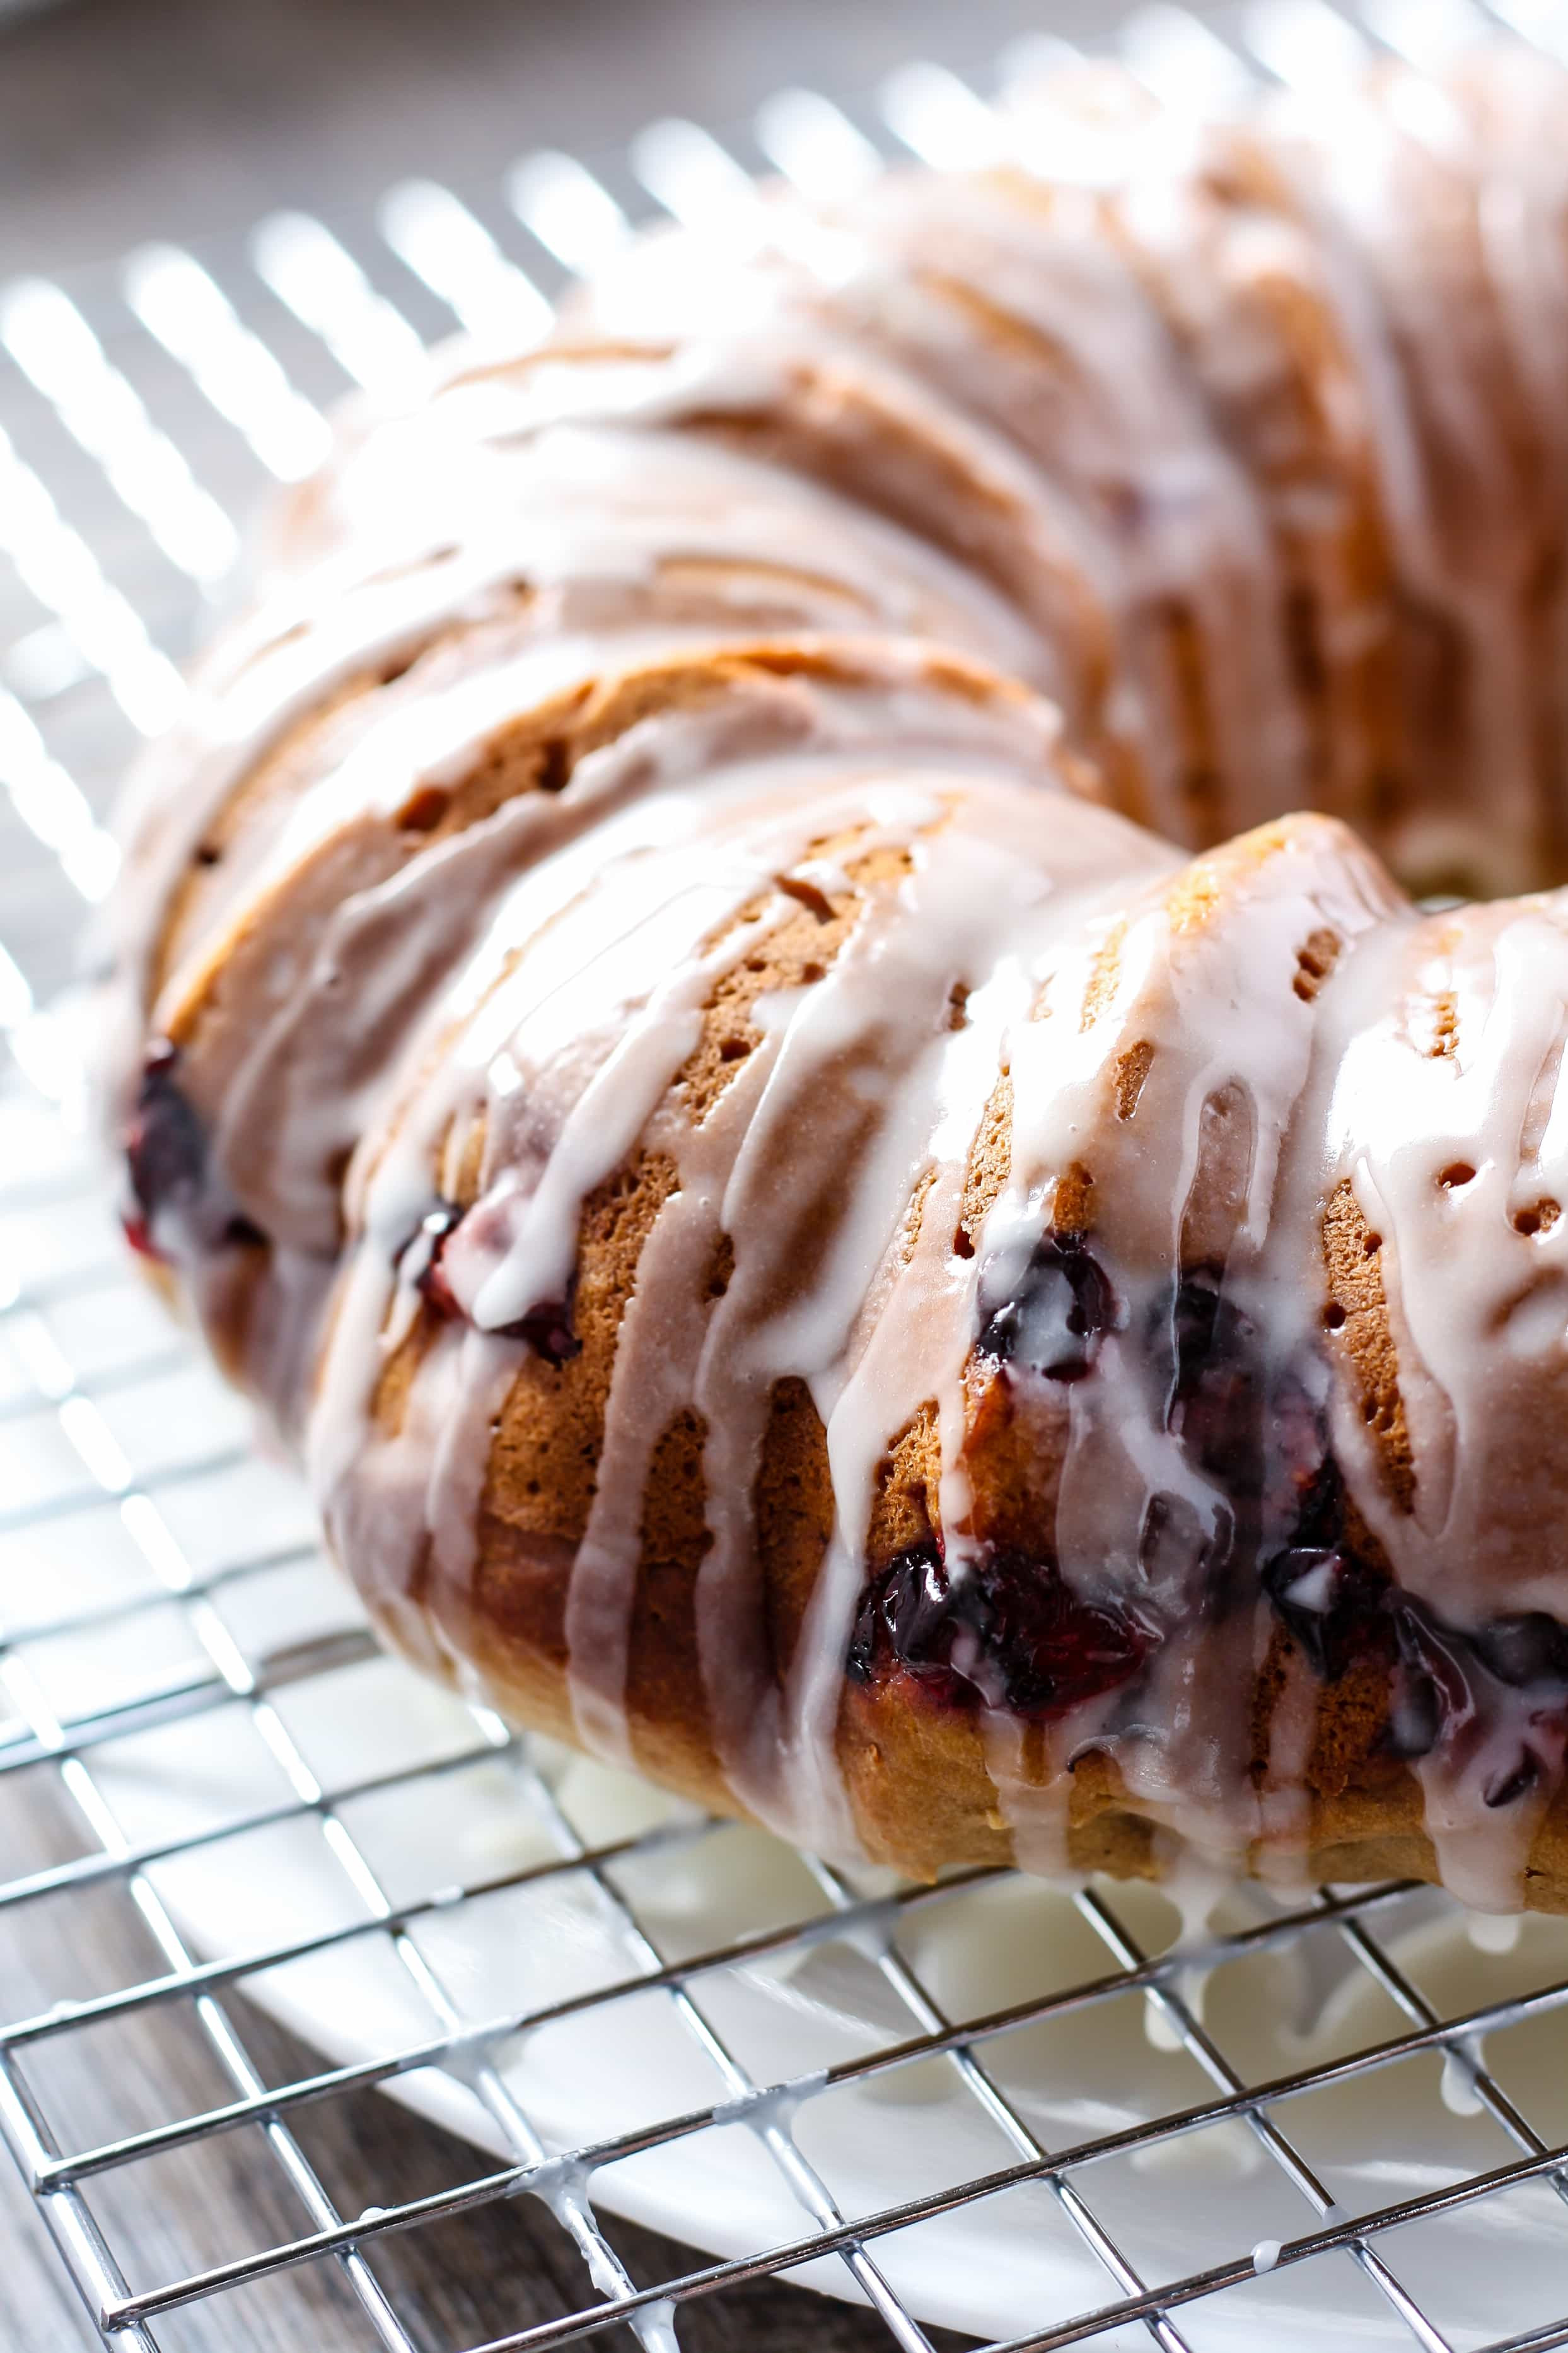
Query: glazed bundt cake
(658,1025)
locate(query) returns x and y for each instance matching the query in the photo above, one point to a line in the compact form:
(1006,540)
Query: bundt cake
(657,1020)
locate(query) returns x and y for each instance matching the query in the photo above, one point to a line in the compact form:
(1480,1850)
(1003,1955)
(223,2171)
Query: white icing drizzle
(1083,377)
(557,508)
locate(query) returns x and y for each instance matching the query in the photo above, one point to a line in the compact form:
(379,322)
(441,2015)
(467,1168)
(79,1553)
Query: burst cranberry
(1446,1686)
(1217,1388)
(1529,1647)
(905,1615)
(1433,1692)
(1053,1323)
(1331,1602)
(1504,1788)
(546,1327)
(1302,1488)
(419,1260)
(165,1149)
(1057,1650)
(1006,1631)
(1176,1544)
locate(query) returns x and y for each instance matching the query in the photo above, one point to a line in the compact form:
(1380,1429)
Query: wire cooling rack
(159,1585)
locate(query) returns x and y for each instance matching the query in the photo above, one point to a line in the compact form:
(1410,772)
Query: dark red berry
(1218,1387)
(419,1260)
(1053,1323)
(1005,1632)
(1332,1603)
(139,1234)
(1415,1717)
(1174,1545)
(904,1615)
(1434,1689)
(437,1294)
(1505,1787)
(175,1192)
(165,1146)
(1530,1647)
(546,1327)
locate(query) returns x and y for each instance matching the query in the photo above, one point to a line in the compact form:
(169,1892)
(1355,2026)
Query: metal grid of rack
(142,409)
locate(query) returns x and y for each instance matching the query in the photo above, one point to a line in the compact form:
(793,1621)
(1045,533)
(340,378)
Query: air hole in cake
(1538,1220)
(962,1245)
(812,973)
(207,855)
(733,1049)
(1457,1174)
(1005,1631)
(554,772)
(1333,1316)
(806,894)
(423,810)
(1371,1244)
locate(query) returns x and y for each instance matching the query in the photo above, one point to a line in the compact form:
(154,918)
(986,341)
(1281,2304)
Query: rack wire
(143,409)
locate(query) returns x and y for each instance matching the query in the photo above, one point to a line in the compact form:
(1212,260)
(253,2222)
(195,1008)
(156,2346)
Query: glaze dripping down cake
(764,1001)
